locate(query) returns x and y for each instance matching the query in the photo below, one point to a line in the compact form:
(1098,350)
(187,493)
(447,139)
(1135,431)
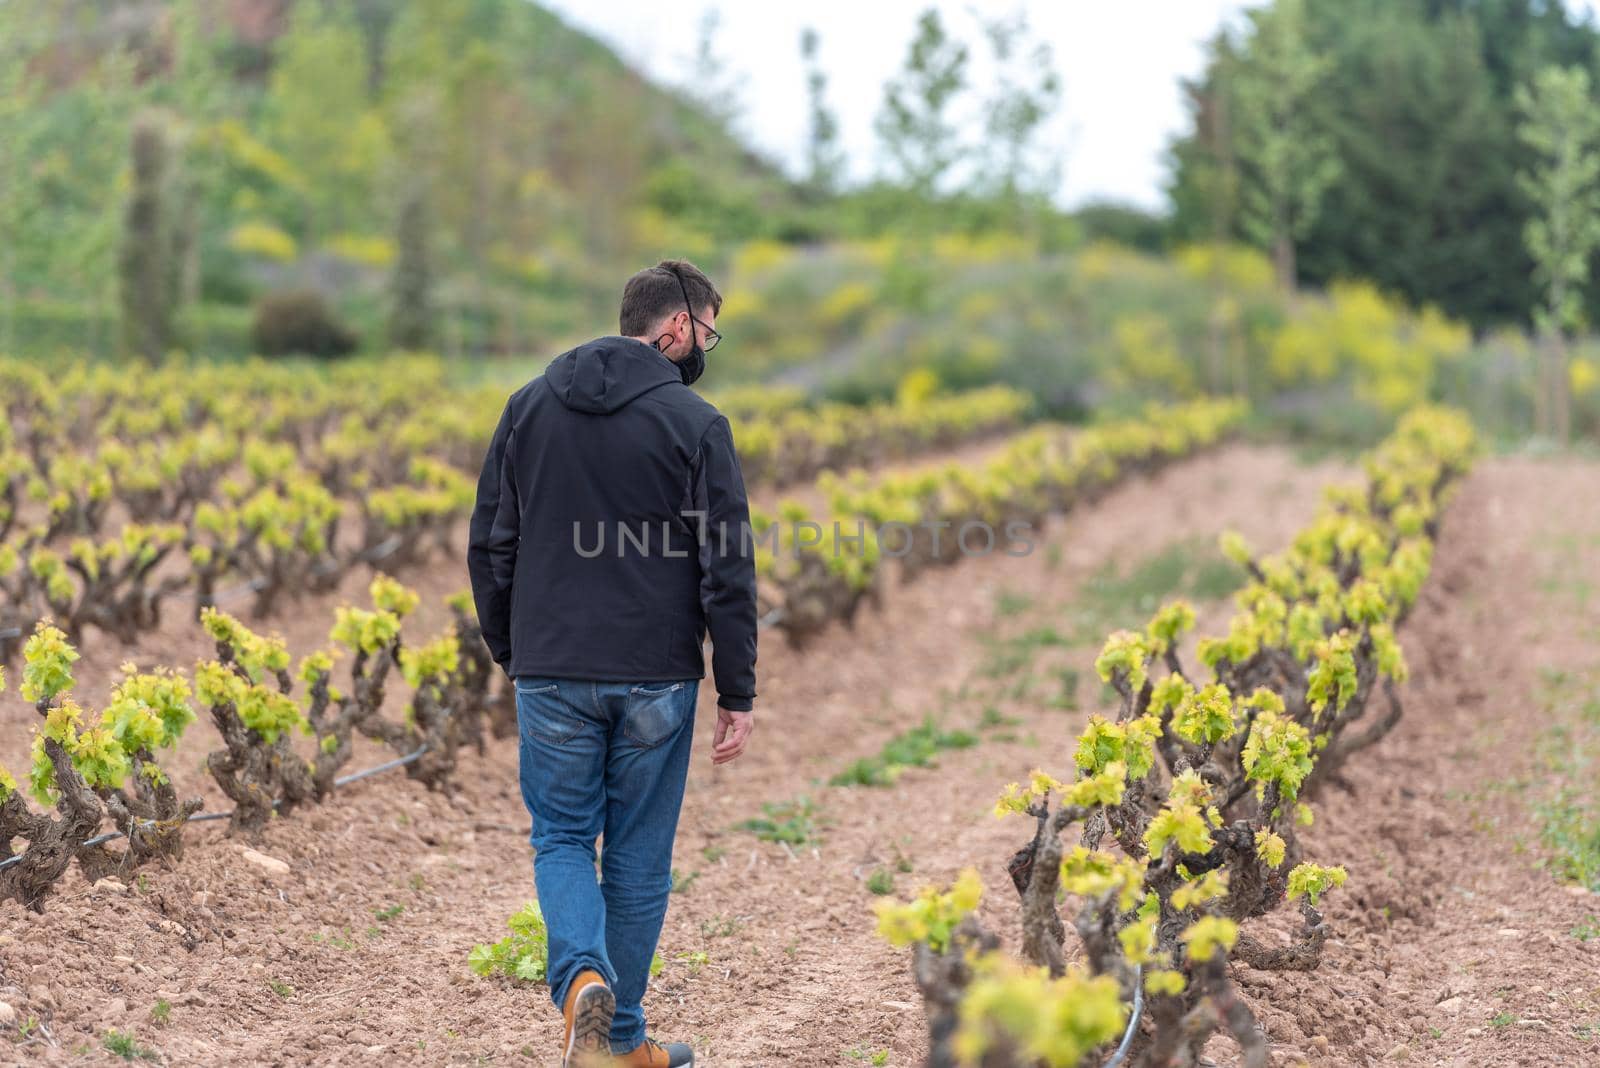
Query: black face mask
(692,366)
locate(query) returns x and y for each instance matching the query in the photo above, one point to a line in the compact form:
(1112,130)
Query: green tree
(20,193)
(1206,208)
(914,125)
(411,283)
(1027,92)
(319,116)
(1425,204)
(1288,160)
(144,267)
(1418,106)
(711,84)
(462,144)
(198,95)
(81,153)
(1560,128)
(824,161)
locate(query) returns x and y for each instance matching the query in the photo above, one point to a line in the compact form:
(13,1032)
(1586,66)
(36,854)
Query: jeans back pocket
(543,714)
(656,711)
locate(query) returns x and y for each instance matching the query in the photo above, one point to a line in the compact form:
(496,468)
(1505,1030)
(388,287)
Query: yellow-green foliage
(359,629)
(259,656)
(1277,751)
(1391,355)
(1183,820)
(264,710)
(1205,716)
(1096,873)
(1209,887)
(1209,934)
(1164,981)
(1124,656)
(316,665)
(47,664)
(1130,743)
(94,753)
(1312,881)
(933,915)
(1270,847)
(389,596)
(433,662)
(1016,798)
(148,711)
(1171,622)
(1147,356)
(1054,1022)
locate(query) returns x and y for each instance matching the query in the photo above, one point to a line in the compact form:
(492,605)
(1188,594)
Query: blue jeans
(604,758)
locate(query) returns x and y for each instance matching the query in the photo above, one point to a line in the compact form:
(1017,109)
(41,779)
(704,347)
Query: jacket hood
(603,375)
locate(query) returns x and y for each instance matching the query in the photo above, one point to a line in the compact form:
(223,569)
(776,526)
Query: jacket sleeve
(492,541)
(727,567)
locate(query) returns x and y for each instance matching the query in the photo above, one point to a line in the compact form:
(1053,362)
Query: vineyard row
(93,768)
(1187,805)
(918,518)
(272,481)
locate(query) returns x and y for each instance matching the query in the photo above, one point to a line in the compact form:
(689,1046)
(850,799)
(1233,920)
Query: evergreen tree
(1418,108)
(1425,204)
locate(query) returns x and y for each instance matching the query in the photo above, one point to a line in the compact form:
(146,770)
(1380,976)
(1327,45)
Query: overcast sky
(1119,62)
(1120,65)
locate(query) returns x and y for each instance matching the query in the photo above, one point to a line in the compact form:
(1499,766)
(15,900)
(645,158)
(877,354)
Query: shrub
(299,322)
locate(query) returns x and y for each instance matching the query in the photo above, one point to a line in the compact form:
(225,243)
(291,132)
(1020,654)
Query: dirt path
(319,967)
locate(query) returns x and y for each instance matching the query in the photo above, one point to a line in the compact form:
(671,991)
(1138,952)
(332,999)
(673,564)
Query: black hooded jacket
(610,530)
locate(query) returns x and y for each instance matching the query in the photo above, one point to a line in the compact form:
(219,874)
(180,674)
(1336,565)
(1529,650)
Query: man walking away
(610,534)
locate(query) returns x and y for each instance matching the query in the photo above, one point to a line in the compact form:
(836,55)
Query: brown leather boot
(586,1040)
(652,1054)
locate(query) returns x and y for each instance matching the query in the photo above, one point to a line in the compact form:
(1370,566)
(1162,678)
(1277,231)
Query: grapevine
(268,480)
(1187,803)
(817,569)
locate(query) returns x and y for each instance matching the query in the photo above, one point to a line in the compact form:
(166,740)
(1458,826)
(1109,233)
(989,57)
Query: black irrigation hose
(1133,1021)
(203,817)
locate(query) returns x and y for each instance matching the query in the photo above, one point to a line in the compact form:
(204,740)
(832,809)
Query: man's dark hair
(655,292)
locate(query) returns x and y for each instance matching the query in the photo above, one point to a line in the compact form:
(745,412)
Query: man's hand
(733,734)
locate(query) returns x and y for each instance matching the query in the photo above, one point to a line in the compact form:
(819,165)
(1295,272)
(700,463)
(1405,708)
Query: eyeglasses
(711,336)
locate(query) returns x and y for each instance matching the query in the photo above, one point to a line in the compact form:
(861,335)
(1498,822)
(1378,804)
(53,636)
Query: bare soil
(300,968)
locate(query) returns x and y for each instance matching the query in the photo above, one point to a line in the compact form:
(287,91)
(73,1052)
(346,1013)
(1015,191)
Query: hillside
(297,142)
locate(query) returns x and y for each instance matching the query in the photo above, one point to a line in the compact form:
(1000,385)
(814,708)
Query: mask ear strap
(684,289)
(686,305)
